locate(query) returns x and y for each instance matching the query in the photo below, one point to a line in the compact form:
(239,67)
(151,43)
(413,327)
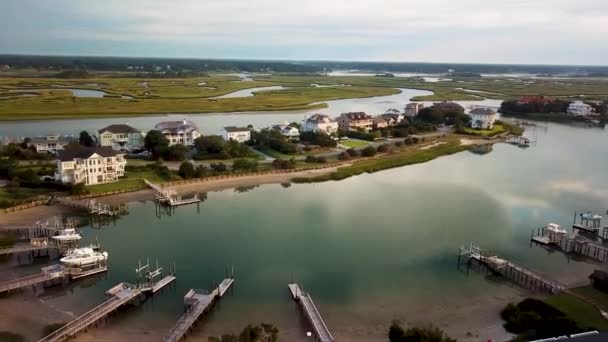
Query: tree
(86,139)
(417,334)
(186,170)
(432,115)
(369,151)
(284,164)
(156,143)
(176,152)
(318,138)
(201,171)
(210,144)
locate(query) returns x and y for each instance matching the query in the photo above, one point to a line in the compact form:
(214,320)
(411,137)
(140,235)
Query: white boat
(556,229)
(67,235)
(84,256)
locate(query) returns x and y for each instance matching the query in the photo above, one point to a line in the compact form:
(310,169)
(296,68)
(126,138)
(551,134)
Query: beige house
(90,165)
(412,109)
(382,122)
(51,143)
(483,118)
(319,123)
(355,121)
(179,132)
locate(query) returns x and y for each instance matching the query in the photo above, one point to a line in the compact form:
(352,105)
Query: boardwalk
(34,245)
(48,274)
(311,312)
(574,243)
(170,197)
(521,275)
(91,206)
(197,302)
(120,295)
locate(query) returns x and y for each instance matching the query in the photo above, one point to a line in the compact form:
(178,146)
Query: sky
(456,31)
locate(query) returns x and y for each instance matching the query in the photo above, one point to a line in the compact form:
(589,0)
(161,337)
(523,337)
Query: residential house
(579,108)
(412,109)
(239,134)
(89,165)
(289,132)
(482,118)
(179,132)
(121,137)
(449,106)
(382,122)
(320,123)
(393,116)
(537,99)
(355,121)
(51,143)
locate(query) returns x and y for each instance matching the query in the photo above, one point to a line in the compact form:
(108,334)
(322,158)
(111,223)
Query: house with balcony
(482,118)
(51,143)
(319,123)
(179,132)
(121,137)
(239,134)
(382,122)
(355,121)
(90,165)
(289,132)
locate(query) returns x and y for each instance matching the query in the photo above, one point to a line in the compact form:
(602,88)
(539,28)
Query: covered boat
(84,256)
(67,235)
(555,228)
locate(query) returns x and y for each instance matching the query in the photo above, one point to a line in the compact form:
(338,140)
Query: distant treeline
(206,65)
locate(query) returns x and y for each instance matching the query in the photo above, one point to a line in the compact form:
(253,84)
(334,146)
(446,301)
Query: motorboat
(555,228)
(84,256)
(66,235)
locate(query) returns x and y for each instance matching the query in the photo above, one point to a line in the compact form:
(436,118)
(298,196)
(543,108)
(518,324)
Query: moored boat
(84,256)
(555,228)
(67,235)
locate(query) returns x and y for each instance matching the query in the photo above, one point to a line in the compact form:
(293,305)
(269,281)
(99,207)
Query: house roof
(393,111)
(119,128)
(482,111)
(357,116)
(319,118)
(448,105)
(81,152)
(380,119)
(233,129)
(284,128)
(56,139)
(389,116)
(176,126)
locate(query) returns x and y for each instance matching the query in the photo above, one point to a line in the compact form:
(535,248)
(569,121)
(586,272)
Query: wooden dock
(520,275)
(571,243)
(51,275)
(120,295)
(91,206)
(312,314)
(197,303)
(170,197)
(36,244)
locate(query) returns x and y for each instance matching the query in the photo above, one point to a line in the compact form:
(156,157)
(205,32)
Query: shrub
(321,160)
(344,156)
(369,151)
(186,170)
(284,163)
(417,334)
(163,172)
(245,165)
(383,148)
(219,167)
(399,143)
(359,135)
(310,159)
(201,171)
(353,153)
(409,141)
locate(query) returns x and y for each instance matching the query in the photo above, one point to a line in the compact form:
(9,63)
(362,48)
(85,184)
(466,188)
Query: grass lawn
(275,154)
(585,314)
(354,143)
(133,180)
(589,292)
(497,129)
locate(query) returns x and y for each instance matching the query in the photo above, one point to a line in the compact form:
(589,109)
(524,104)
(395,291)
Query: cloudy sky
(484,31)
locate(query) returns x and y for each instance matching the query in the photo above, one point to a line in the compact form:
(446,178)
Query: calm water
(370,248)
(248,92)
(209,123)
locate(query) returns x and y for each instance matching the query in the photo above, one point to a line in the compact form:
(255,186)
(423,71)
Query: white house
(482,118)
(320,123)
(412,109)
(51,143)
(579,108)
(239,134)
(89,165)
(289,132)
(121,138)
(179,132)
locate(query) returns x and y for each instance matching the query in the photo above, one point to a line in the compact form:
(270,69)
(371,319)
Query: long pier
(91,206)
(197,303)
(312,314)
(120,295)
(170,197)
(36,244)
(512,271)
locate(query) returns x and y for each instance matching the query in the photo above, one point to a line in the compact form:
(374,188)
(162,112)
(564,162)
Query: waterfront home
(449,106)
(239,134)
(412,109)
(121,137)
(534,99)
(179,132)
(289,132)
(51,143)
(355,121)
(320,123)
(89,165)
(579,108)
(381,122)
(482,118)
(393,116)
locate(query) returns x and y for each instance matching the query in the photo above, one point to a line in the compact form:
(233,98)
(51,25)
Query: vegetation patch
(354,143)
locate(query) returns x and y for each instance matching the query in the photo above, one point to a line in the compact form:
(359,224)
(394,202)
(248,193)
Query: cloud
(425,30)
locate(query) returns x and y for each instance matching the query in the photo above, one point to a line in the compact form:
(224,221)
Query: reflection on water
(369,249)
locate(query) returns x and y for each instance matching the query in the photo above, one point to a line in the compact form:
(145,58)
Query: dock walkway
(197,302)
(34,245)
(170,197)
(48,274)
(573,243)
(312,314)
(517,273)
(120,295)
